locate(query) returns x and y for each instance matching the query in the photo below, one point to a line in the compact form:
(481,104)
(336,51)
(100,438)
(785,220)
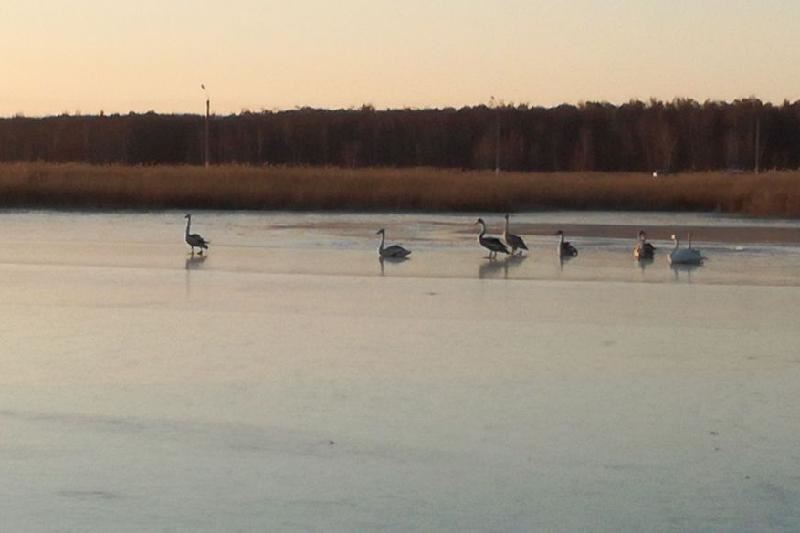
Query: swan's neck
(188,224)
(483,229)
(506,232)
(383,238)
(677,242)
(561,239)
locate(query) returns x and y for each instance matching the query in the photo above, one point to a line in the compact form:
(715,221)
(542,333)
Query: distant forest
(682,135)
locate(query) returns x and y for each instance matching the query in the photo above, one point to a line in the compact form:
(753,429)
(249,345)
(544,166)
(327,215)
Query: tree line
(681,135)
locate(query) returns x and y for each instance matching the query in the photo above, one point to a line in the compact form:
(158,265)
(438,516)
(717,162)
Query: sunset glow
(92,55)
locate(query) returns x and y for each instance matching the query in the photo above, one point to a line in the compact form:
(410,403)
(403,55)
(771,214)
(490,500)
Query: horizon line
(501,104)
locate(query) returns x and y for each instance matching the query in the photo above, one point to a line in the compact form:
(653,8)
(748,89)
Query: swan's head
(480,221)
(380,231)
(506,217)
(559,232)
(187,215)
(673,237)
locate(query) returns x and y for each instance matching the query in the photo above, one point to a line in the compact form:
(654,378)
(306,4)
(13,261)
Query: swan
(492,244)
(643,249)
(565,248)
(514,241)
(685,256)
(395,251)
(192,239)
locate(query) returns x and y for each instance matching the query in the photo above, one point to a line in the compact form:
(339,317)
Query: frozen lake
(290,382)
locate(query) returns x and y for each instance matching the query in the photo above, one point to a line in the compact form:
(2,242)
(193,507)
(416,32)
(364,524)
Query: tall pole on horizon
(493,105)
(758,144)
(205,136)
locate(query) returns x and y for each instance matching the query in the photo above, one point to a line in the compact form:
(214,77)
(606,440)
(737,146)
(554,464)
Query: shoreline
(715,234)
(331,189)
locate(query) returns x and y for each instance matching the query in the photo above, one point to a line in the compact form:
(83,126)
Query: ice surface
(288,383)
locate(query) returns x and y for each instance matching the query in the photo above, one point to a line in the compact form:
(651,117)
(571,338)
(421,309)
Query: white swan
(395,251)
(685,256)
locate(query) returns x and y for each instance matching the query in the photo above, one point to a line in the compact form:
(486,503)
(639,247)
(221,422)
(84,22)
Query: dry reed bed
(309,188)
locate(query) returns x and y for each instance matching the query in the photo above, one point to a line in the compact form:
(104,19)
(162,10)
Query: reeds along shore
(73,185)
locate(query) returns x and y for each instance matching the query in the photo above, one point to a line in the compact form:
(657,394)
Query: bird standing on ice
(514,241)
(492,244)
(192,239)
(643,249)
(565,248)
(391,252)
(685,256)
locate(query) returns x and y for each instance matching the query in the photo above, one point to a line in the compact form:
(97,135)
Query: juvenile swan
(395,251)
(194,240)
(565,248)
(492,244)
(514,241)
(643,249)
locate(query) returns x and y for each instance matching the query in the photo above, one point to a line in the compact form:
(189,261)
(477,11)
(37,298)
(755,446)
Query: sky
(84,56)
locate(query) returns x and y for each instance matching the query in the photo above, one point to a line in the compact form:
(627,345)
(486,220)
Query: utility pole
(758,144)
(497,136)
(205,137)
(497,144)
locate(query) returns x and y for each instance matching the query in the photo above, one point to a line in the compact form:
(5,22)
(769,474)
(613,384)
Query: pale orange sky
(117,56)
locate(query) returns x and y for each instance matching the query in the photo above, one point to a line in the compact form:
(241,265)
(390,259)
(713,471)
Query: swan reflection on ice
(643,263)
(396,260)
(488,269)
(195,261)
(677,268)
